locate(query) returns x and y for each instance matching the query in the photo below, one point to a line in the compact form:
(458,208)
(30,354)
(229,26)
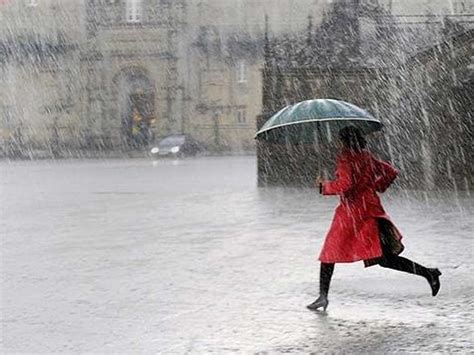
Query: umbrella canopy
(306,120)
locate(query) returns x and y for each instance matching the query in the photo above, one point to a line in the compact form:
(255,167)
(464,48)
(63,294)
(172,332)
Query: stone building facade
(133,66)
(85,75)
(88,75)
(363,53)
(39,57)
(438,104)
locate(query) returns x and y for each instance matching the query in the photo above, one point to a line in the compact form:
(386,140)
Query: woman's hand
(319,180)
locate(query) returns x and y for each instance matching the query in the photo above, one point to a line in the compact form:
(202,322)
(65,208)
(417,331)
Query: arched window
(134,11)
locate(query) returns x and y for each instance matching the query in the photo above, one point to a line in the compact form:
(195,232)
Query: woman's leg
(392,261)
(325,276)
(400,263)
(403,264)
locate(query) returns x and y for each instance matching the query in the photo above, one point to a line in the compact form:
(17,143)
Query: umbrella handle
(320,163)
(320,166)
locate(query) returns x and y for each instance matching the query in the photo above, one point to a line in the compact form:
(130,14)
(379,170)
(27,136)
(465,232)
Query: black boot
(433,280)
(321,302)
(324,282)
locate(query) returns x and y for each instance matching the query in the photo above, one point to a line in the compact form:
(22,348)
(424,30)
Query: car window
(172,141)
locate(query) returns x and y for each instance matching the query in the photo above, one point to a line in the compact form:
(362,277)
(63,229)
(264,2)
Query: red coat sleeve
(386,174)
(343,182)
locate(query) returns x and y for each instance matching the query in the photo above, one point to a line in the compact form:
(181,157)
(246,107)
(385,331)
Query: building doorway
(135,95)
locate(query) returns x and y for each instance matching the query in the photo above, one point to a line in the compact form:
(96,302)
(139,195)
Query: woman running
(361,230)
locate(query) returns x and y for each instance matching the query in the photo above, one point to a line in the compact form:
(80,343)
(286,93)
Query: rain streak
(163,165)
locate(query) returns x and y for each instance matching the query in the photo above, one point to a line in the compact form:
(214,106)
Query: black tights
(400,263)
(325,275)
(388,261)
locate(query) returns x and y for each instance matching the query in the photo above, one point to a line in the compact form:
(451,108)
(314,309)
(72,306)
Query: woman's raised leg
(403,264)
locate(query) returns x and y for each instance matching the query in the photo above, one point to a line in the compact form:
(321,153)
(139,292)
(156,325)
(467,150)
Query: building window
(241,116)
(134,11)
(241,72)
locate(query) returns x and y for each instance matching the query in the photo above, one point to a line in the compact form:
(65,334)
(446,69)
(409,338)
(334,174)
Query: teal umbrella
(315,122)
(312,121)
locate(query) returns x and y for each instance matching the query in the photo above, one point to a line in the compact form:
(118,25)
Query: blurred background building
(84,75)
(415,72)
(89,75)
(39,57)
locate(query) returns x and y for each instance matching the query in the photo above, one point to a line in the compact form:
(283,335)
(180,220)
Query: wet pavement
(190,256)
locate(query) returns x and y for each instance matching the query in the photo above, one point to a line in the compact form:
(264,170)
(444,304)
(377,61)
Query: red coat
(354,232)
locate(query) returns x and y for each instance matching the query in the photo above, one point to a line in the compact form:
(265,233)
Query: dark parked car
(177,145)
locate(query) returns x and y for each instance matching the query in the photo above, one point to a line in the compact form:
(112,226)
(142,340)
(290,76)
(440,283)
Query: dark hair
(352,138)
